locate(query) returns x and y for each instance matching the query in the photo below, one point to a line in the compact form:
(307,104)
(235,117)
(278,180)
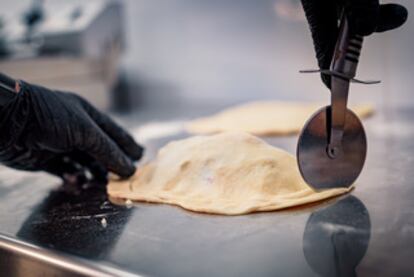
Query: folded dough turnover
(230,173)
(266,118)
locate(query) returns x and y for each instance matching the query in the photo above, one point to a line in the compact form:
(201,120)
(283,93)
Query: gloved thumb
(391,16)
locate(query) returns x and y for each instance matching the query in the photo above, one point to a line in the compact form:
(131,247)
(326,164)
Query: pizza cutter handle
(344,63)
(347,50)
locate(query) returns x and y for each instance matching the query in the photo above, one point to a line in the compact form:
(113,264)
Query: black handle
(347,51)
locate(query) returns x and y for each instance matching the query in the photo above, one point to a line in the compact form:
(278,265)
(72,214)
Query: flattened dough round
(230,173)
(267,118)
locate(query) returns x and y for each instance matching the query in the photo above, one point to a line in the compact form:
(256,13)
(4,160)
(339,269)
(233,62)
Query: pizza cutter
(332,145)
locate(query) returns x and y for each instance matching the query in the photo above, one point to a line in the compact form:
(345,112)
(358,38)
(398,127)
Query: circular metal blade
(317,168)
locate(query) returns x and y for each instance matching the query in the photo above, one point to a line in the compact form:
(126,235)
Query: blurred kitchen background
(149,60)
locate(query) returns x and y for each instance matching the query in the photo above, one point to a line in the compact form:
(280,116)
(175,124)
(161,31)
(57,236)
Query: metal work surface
(369,232)
(228,52)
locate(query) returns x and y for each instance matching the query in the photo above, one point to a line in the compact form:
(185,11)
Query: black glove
(61,133)
(364,16)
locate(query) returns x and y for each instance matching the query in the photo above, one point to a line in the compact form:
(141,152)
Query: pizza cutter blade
(332,146)
(321,169)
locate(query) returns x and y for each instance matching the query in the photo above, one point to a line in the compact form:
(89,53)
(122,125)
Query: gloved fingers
(121,137)
(363,16)
(102,148)
(64,167)
(391,16)
(96,168)
(323,22)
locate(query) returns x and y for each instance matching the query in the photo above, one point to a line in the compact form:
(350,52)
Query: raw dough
(230,173)
(264,118)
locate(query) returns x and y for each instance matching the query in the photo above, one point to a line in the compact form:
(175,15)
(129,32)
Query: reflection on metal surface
(158,129)
(322,171)
(72,221)
(336,238)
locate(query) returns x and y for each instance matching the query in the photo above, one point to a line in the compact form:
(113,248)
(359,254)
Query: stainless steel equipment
(67,45)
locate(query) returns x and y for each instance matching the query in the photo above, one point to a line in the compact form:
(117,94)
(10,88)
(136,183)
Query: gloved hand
(61,133)
(364,16)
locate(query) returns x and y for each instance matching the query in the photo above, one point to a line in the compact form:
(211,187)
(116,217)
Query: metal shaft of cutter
(344,62)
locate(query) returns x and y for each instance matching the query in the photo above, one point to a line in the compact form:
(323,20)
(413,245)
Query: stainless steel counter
(367,233)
